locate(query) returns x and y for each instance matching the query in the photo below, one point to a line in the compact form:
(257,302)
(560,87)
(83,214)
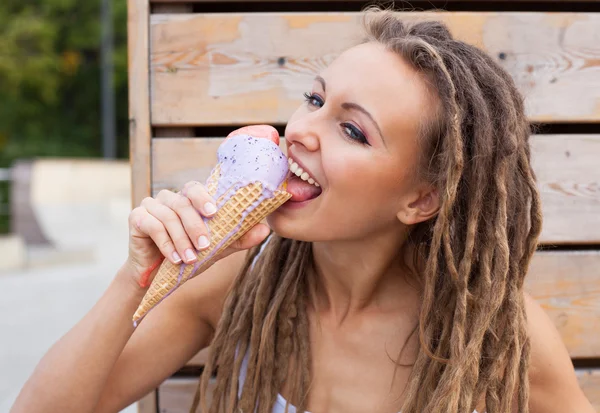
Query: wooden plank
(568,177)
(139,98)
(179,160)
(567,286)
(176,395)
(570,193)
(589,381)
(209,69)
(176,161)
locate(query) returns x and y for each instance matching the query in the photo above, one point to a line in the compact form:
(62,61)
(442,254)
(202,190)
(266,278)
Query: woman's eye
(352,132)
(314,100)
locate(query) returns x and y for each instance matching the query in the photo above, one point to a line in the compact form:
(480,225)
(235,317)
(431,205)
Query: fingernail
(203,241)
(210,208)
(190,256)
(176,257)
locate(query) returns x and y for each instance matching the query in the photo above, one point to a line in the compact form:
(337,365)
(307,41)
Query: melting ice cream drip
(243,160)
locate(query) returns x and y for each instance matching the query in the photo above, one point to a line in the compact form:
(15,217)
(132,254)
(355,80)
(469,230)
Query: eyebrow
(354,106)
(321,81)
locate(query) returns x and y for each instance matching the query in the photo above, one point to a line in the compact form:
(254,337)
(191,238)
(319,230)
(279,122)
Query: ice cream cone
(242,210)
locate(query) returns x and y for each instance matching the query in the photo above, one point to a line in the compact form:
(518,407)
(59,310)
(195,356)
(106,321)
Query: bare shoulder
(205,294)
(553,384)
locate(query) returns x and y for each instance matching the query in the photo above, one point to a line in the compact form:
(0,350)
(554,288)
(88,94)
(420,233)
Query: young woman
(395,285)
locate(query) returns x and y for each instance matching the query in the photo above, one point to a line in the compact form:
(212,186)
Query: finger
(149,225)
(200,198)
(187,208)
(252,238)
(174,228)
(192,223)
(258,131)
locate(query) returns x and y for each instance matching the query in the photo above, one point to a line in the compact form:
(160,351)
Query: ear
(420,206)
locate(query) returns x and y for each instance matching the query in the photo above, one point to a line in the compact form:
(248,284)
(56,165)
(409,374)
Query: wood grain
(567,286)
(227,69)
(565,165)
(139,98)
(176,395)
(568,175)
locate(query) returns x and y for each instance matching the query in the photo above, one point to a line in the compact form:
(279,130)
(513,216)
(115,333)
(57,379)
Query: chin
(291,228)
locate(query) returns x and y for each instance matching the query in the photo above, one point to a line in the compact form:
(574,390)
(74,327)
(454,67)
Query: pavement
(42,302)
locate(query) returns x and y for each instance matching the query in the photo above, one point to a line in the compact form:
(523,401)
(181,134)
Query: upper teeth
(299,172)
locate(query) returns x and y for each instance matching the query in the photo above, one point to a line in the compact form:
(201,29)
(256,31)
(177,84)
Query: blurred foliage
(50,79)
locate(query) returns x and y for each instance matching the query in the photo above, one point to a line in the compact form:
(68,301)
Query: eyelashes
(313,99)
(349,130)
(354,133)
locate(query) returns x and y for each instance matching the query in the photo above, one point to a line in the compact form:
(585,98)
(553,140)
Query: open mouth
(301,185)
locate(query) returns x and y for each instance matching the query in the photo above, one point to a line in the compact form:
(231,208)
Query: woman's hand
(171,225)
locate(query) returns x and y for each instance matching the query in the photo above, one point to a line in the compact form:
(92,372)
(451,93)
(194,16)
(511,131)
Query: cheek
(366,183)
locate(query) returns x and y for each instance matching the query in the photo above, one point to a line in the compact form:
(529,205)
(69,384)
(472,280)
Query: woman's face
(357,137)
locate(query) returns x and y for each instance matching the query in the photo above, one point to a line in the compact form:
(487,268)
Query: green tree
(50,79)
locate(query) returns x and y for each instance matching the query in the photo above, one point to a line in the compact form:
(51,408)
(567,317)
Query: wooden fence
(199,69)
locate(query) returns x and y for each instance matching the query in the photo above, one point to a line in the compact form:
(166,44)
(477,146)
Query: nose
(304,133)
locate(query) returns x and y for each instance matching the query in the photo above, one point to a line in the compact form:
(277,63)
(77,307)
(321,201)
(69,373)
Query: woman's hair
(475,252)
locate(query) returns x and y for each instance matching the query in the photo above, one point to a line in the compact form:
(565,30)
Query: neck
(353,276)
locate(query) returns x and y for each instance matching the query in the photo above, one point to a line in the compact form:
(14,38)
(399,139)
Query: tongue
(301,190)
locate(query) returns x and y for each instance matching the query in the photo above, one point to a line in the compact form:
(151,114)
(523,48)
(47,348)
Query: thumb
(254,237)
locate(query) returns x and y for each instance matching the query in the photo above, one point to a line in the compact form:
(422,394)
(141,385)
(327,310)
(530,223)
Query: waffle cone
(230,222)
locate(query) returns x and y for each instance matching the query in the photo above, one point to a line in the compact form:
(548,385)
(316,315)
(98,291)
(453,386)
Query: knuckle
(194,187)
(136,215)
(171,219)
(163,194)
(135,212)
(183,241)
(166,244)
(147,200)
(192,183)
(181,202)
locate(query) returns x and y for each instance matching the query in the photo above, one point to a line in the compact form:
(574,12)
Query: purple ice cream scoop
(244,159)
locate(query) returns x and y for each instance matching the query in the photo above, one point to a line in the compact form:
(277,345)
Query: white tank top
(280,403)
